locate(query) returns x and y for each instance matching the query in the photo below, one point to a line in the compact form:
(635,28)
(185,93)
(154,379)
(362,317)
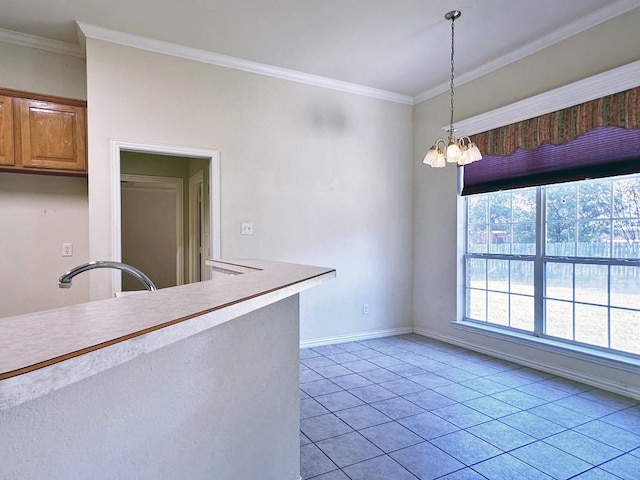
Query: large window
(559,261)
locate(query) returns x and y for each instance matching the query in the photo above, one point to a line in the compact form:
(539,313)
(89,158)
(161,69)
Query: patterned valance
(619,110)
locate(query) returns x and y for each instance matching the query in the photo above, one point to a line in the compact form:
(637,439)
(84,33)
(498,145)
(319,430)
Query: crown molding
(591,88)
(41,43)
(204,56)
(597,17)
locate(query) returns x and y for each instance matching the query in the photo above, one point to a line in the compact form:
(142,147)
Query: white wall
(436,287)
(39,71)
(324,176)
(38,213)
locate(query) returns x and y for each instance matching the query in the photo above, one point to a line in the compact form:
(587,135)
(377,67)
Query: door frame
(197,237)
(168,184)
(118,146)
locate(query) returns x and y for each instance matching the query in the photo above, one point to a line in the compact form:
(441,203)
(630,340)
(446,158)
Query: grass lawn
(589,320)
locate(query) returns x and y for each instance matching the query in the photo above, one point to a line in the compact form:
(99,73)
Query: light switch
(247,229)
(67,249)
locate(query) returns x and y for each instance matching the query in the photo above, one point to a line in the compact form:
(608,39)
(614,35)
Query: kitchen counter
(43,351)
(197,381)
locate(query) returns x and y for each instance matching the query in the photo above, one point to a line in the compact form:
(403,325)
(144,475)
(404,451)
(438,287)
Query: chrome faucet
(65,280)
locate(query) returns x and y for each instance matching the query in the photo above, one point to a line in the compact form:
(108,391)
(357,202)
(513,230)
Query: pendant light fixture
(463,151)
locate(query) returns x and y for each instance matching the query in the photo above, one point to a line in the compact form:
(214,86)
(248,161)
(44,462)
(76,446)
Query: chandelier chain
(451,132)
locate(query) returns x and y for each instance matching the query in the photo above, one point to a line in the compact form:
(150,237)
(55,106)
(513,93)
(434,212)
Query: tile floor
(410,407)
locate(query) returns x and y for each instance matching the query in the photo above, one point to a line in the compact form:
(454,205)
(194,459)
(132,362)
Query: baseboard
(390,332)
(598,382)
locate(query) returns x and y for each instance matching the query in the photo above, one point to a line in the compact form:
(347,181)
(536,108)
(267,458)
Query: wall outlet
(365,309)
(247,229)
(67,249)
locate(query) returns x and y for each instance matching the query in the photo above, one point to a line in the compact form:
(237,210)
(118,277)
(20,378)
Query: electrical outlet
(247,229)
(365,309)
(67,249)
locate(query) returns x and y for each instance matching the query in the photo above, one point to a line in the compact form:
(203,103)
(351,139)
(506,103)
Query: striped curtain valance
(618,110)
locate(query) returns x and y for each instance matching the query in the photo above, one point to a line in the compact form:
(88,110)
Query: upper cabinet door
(6,132)
(52,136)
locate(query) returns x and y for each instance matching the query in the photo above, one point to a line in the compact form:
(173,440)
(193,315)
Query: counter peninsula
(195,381)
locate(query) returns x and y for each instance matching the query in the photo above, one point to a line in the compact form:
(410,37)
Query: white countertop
(43,351)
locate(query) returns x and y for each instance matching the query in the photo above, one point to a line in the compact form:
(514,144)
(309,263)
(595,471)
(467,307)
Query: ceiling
(400,46)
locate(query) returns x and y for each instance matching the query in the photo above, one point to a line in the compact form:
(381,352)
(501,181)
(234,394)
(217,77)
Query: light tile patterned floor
(410,407)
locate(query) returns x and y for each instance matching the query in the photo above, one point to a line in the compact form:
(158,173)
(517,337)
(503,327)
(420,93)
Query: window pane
(477,239)
(594,238)
(561,239)
(592,325)
(477,304)
(594,199)
(626,197)
(592,284)
(561,202)
(626,239)
(500,239)
(477,209)
(522,312)
(476,273)
(500,208)
(498,275)
(626,208)
(625,330)
(625,287)
(559,319)
(559,281)
(498,308)
(524,239)
(521,277)
(524,205)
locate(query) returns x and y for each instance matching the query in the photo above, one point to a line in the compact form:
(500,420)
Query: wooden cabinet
(42,134)
(6,132)
(52,136)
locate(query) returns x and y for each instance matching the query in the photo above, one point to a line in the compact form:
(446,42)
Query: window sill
(608,359)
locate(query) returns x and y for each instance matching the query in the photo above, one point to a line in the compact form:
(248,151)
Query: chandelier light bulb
(454,155)
(435,156)
(470,152)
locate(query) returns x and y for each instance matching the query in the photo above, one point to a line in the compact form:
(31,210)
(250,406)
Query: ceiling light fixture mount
(463,151)
(453,15)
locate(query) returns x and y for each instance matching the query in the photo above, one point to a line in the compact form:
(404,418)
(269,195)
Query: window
(558,261)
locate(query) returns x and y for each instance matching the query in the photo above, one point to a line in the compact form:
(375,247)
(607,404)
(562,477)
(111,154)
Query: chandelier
(463,151)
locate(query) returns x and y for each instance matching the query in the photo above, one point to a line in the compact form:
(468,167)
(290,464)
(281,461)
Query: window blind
(603,152)
(594,139)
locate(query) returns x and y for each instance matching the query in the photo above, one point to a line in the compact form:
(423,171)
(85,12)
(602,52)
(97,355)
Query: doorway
(166,213)
(152,229)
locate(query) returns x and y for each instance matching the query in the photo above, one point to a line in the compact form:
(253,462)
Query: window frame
(540,259)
